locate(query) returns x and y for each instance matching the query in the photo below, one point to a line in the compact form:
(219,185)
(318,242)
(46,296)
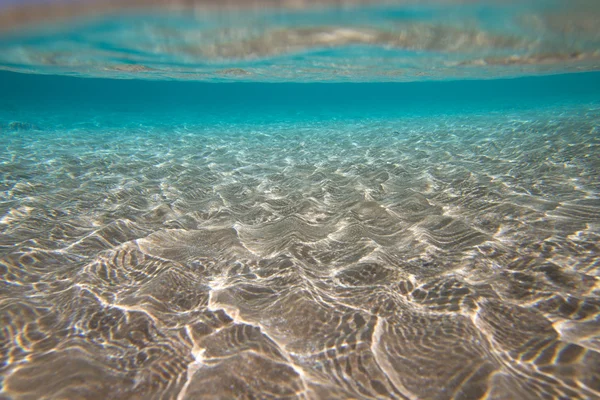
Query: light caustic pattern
(430,258)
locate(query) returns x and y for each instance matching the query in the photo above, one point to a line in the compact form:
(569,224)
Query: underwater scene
(299,200)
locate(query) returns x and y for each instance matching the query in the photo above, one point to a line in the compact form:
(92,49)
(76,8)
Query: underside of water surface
(376,201)
(366,41)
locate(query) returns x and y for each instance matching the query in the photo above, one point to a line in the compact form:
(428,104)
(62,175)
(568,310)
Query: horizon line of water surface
(38,98)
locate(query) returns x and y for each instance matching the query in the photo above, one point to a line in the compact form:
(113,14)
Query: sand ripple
(448,258)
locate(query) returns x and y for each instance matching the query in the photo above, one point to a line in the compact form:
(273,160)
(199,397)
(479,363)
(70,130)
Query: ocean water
(367,202)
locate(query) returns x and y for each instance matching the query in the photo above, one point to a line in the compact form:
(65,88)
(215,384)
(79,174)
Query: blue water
(271,215)
(102,102)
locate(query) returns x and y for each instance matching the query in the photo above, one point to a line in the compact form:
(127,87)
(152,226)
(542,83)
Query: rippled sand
(438,258)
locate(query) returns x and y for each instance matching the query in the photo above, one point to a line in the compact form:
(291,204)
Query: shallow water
(195,240)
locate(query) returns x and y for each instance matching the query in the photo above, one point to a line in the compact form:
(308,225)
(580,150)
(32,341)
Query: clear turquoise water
(181,234)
